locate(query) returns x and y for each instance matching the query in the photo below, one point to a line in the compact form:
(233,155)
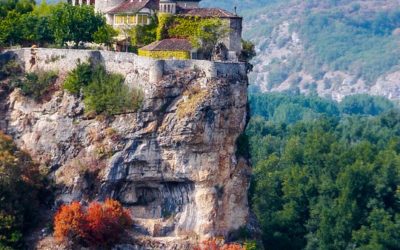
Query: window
(131,19)
(142,19)
(119,20)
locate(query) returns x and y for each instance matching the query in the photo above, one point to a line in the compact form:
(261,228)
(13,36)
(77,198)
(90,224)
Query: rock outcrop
(173,163)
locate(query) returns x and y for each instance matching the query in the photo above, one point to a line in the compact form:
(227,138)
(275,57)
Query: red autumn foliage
(69,221)
(106,222)
(101,224)
(214,245)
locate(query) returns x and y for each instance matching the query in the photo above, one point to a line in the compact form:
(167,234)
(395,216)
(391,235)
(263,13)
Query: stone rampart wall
(137,70)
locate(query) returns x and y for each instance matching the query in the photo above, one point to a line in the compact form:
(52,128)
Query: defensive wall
(135,68)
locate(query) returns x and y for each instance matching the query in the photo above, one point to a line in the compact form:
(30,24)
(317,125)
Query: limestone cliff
(173,163)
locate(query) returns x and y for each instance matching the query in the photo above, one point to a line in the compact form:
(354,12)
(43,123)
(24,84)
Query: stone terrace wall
(130,65)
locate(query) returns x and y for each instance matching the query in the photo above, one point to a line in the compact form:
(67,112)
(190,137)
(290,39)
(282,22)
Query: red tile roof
(209,12)
(172,44)
(133,6)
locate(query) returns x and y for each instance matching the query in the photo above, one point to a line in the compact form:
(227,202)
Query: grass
(195,96)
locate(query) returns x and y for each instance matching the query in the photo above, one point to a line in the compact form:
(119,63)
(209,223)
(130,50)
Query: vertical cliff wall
(173,163)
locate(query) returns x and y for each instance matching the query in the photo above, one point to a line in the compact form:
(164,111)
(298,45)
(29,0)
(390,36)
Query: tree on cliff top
(78,24)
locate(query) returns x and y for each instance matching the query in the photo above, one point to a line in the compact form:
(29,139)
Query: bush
(36,84)
(101,224)
(10,69)
(78,78)
(103,93)
(107,94)
(106,222)
(69,222)
(277,75)
(214,245)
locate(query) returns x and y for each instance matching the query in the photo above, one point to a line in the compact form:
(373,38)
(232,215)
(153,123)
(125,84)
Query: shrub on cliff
(103,92)
(37,84)
(101,224)
(78,78)
(11,69)
(107,93)
(215,245)
(106,222)
(20,185)
(69,222)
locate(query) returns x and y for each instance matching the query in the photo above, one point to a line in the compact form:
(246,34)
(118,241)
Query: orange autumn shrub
(106,222)
(214,245)
(232,246)
(69,222)
(101,224)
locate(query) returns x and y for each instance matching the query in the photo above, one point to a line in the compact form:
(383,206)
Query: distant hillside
(334,48)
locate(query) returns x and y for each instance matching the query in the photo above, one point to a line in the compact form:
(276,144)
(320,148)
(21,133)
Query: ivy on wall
(164,22)
(141,35)
(199,31)
(182,55)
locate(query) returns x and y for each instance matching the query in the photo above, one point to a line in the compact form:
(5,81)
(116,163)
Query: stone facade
(173,163)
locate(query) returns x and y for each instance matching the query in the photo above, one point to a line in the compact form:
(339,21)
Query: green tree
(74,23)
(10,30)
(105,35)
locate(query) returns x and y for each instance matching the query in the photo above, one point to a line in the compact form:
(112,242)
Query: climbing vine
(199,31)
(164,21)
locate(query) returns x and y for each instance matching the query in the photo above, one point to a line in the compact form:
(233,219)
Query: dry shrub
(195,95)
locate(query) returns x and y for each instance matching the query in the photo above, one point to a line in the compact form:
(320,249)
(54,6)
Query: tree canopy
(25,23)
(326,175)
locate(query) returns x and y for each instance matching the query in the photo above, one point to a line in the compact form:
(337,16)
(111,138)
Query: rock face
(173,163)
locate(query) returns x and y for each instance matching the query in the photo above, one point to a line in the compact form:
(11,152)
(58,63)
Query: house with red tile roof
(124,14)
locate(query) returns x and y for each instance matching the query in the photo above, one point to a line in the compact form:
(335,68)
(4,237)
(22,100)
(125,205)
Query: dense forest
(326,174)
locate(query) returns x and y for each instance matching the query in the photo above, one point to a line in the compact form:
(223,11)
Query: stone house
(123,14)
